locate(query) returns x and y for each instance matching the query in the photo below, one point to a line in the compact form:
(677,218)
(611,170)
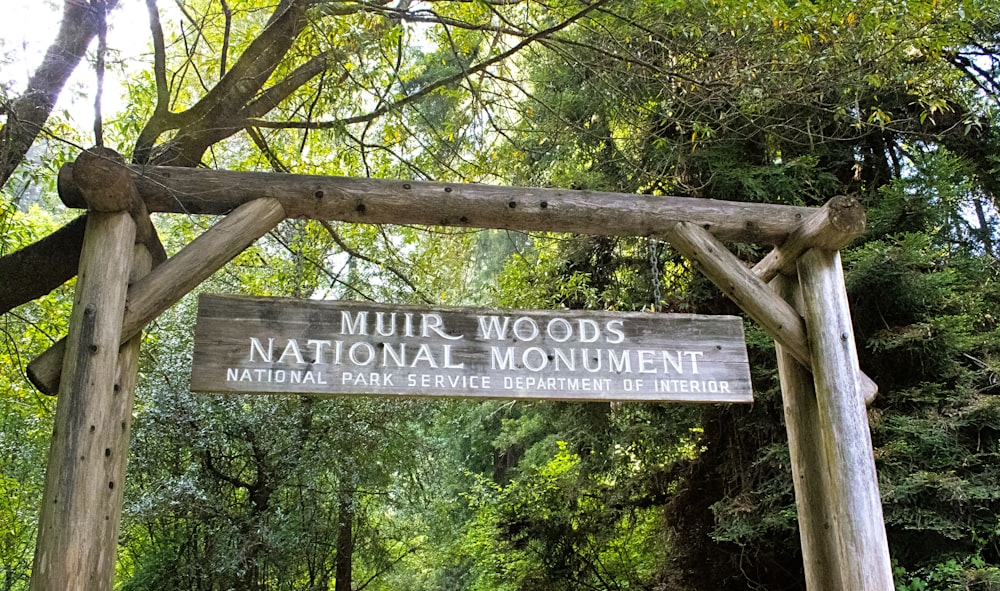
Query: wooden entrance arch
(796,294)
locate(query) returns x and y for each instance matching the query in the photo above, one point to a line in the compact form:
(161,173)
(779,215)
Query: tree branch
(354,253)
(161,120)
(42,266)
(29,112)
(426,90)
(102,50)
(228,13)
(272,97)
(276,164)
(230,95)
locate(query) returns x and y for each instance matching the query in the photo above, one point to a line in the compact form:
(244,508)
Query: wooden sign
(275,345)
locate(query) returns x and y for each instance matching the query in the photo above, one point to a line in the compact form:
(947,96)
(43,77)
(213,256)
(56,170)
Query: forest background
(776,101)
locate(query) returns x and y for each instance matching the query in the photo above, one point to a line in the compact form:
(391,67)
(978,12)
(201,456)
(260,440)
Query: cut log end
(848,217)
(42,379)
(103,180)
(44,371)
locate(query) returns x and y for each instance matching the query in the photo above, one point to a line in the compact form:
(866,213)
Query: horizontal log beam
(200,191)
(776,316)
(832,227)
(169,282)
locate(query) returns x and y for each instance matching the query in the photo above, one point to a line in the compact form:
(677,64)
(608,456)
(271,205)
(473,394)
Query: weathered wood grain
(275,345)
(832,227)
(169,282)
(104,182)
(776,316)
(810,474)
(855,503)
(186,190)
(106,185)
(120,405)
(78,498)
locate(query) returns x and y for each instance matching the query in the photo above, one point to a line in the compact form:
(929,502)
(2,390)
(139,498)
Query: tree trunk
(345,541)
(31,110)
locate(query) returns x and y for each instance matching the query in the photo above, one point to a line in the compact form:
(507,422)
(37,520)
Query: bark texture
(27,114)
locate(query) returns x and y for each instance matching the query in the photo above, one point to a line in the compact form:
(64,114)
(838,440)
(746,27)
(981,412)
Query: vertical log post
(81,505)
(120,413)
(855,504)
(820,553)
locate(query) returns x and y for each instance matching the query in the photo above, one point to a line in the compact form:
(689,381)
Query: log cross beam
(381,201)
(102,174)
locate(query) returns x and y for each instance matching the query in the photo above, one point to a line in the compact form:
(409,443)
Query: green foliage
(540,532)
(750,101)
(243,492)
(25,415)
(972,572)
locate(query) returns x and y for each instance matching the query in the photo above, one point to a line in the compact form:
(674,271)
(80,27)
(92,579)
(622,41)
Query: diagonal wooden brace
(776,316)
(169,282)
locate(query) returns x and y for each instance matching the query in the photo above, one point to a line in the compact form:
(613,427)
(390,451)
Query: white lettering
(490,325)
(398,357)
(543,359)
(255,345)
(532,328)
(646,361)
(569,362)
(501,361)
(693,356)
(434,322)
(447,359)
(380,324)
(424,354)
(614,327)
(352,353)
(559,330)
(357,325)
(586,325)
(292,349)
(317,346)
(677,365)
(622,364)
(585,354)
